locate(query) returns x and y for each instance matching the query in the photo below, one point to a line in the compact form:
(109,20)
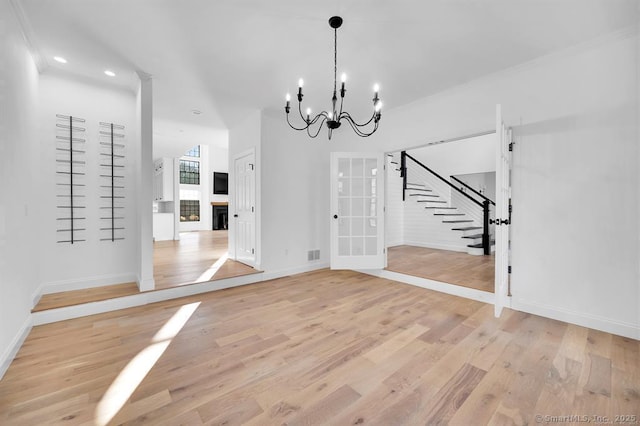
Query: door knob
(235,215)
(335,216)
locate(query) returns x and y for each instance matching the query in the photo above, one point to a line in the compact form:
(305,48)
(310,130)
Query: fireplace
(219,217)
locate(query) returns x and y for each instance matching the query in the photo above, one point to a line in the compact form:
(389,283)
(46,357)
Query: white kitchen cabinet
(163,180)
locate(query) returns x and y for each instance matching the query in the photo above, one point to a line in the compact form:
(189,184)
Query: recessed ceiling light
(196,112)
(110,73)
(60,59)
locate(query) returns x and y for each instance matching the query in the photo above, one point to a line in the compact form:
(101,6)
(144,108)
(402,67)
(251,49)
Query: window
(193,152)
(189,210)
(190,172)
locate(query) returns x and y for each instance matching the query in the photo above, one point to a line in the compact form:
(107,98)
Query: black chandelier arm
(323,114)
(356,127)
(347,116)
(319,127)
(293,127)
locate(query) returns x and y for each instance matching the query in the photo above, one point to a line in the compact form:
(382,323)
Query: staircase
(427,193)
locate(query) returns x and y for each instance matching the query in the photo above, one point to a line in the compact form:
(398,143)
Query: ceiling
(224,57)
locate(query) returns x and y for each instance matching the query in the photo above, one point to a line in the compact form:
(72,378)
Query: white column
(144,181)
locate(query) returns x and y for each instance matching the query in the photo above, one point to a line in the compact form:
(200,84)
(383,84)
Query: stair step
(458,221)
(415,184)
(419,189)
(424,195)
(468,228)
(393,162)
(441,208)
(479,245)
(473,237)
(448,214)
(433,201)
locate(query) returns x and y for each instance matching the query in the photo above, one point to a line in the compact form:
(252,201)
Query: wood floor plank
(78,297)
(451,267)
(192,259)
(453,395)
(325,347)
(325,409)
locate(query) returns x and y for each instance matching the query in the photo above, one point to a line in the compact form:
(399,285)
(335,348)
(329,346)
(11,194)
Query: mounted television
(220,183)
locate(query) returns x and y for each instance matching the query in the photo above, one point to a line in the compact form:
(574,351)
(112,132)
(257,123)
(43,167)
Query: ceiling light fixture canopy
(335,117)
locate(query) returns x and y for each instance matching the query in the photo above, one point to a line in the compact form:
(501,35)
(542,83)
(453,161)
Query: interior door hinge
(509,269)
(251,209)
(253,251)
(511,144)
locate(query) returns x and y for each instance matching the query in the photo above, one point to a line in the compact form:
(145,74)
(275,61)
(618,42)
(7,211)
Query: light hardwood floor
(78,297)
(194,258)
(326,347)
(443,265)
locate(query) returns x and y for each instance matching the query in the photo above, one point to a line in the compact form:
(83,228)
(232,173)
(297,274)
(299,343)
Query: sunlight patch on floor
(209,273)
(137,369)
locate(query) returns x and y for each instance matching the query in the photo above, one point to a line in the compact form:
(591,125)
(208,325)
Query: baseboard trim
(16,343)
(87,282)
(442,287)
(293,271)
(461,249)
(629,330)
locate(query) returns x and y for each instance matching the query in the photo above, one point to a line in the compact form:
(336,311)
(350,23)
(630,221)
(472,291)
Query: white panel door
(244,210)
(357,221)
(503,195)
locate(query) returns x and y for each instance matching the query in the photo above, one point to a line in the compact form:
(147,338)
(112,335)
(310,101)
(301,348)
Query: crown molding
(28,35)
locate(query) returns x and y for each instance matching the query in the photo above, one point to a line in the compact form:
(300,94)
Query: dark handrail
(443,179)
(473,190)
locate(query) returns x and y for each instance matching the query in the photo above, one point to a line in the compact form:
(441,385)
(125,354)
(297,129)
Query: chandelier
(335,117)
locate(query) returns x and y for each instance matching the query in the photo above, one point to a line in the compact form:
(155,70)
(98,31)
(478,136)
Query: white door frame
(502,228)
(233,203)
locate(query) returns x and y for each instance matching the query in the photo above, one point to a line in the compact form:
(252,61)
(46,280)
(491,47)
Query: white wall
(394,224)
(471,155)
(295,196)
(19,204)
(574,115)
(485,183)
(93,262)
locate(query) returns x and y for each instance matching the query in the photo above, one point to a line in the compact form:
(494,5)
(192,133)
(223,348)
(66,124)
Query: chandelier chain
(335,59)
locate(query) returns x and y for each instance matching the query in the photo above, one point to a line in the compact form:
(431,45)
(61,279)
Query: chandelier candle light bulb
(335,115)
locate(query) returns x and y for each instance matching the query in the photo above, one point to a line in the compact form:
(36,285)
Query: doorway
(195,247)
(435,213)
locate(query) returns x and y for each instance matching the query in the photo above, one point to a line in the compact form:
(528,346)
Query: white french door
(503,195)
(244,213)
(357,215)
